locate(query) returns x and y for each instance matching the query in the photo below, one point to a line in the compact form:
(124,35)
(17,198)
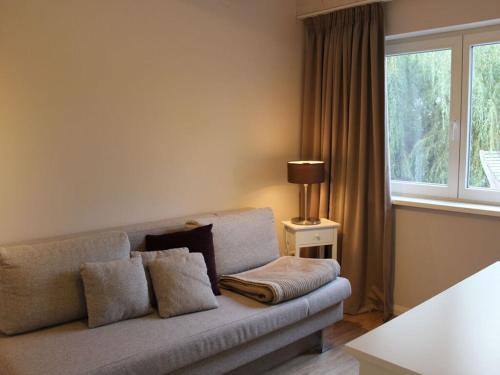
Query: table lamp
(306,172)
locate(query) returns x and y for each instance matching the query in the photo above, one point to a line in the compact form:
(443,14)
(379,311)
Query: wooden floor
(336,361)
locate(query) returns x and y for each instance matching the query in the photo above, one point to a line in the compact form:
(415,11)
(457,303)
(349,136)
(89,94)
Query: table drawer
(316,236)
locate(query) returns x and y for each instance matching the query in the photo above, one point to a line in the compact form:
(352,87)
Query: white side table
(299,236)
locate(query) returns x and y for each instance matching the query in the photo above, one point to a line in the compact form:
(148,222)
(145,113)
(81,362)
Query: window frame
(461,44)
(484,195)
(453,43)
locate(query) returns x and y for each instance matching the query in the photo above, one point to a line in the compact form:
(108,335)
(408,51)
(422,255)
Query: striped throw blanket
(283,279)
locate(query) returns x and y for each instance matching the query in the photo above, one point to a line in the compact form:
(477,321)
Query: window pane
(484,131)
(418,115)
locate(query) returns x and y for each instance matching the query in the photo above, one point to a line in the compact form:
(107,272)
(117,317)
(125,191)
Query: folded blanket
(283,279)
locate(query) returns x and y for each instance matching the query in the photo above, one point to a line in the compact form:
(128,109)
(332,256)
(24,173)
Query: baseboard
(398,309)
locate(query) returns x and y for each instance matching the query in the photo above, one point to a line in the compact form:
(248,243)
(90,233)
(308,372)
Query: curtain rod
(333,9)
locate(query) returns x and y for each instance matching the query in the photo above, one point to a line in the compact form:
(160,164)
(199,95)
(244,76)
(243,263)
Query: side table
(299,236)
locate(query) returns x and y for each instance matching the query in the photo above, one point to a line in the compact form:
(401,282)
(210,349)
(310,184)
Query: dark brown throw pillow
(197,240)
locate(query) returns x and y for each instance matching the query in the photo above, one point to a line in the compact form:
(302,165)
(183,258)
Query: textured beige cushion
(115,291)
(242,240)
(151,256)
(40,284)
(181,285)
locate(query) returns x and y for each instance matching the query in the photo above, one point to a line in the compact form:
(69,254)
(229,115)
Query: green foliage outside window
(485,110)
(418,113)
(418,103)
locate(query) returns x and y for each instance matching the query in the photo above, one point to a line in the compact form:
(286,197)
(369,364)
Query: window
(443,116)
(480,151)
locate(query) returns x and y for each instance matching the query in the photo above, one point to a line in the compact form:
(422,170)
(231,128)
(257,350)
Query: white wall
(311,6)
(436,249)
(403,16)
(121,111)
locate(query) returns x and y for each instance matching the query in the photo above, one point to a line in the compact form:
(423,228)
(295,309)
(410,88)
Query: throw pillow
(198,240)
(115,291)
(181,285)
(151,256)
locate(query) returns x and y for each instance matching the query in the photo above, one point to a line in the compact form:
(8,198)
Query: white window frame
(460,106)
(483,195)
(454,43)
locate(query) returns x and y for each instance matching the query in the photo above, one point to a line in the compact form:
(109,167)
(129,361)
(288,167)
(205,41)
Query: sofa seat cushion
(147,345)
(150,345)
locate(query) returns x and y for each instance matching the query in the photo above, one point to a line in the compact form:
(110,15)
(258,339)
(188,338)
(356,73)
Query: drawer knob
(318,237)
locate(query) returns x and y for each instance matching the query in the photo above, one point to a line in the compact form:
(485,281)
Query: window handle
(454,129)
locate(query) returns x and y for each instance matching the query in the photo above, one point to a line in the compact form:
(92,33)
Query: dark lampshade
(306,172)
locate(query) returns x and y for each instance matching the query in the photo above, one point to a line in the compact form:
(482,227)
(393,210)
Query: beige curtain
(343,125)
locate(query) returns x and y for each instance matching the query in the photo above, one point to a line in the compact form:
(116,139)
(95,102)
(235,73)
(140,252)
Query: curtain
(343,125)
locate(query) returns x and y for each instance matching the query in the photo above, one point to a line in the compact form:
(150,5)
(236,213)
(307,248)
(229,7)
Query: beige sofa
(241,336)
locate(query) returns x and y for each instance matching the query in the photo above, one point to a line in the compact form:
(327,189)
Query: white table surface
(456,332)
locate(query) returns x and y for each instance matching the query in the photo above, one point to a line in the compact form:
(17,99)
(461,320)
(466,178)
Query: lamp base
(304,221)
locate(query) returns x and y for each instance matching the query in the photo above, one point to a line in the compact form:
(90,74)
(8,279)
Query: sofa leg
(323,343)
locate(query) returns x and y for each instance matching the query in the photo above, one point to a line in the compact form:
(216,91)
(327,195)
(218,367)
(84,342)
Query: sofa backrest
(136,232)
(242,240)
(40,284)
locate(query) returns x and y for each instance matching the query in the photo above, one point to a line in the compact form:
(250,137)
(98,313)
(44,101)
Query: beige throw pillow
(181,285)
(115,291)
(151,256)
